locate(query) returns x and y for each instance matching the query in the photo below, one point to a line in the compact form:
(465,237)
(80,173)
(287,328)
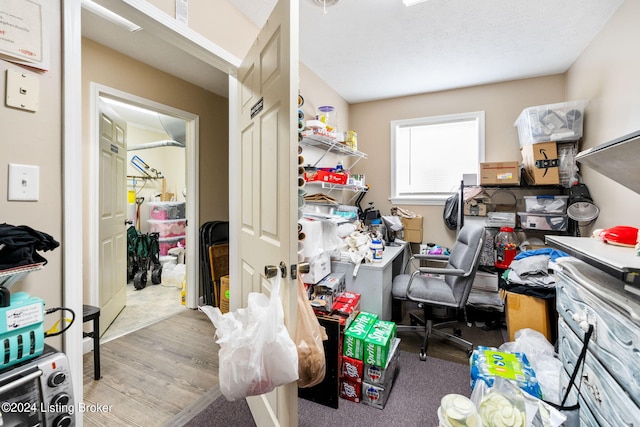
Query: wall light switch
(22,90)
(24,183)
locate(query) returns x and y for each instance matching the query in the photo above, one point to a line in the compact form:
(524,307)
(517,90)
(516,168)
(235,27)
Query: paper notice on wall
(22,33)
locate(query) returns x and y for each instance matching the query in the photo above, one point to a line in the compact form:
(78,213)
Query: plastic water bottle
(377,248)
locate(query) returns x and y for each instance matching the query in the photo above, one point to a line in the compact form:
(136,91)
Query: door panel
(266,170)
(112,208)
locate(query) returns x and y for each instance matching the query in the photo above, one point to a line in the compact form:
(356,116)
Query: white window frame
(432,198)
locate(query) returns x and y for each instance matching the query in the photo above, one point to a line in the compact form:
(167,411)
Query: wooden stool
(91,313)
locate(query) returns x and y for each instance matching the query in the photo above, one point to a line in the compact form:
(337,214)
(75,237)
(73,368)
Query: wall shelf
(331,146)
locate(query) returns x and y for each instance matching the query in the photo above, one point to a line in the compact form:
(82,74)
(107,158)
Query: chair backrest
(465,255)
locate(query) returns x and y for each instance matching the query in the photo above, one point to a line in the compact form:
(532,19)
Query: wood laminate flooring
(165,373)
(151,375)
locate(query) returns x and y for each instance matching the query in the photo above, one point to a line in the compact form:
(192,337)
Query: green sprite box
(354,336)
(378,342)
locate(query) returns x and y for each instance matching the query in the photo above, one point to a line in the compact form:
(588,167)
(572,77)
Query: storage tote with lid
(166,210)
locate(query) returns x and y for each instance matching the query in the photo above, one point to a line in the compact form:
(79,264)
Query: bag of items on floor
(309,338)
(256,352)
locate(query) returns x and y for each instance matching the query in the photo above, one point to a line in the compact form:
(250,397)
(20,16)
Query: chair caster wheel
(457,332)
(423,357)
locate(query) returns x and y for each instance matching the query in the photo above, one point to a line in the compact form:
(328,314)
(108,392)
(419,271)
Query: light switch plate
(24,183)
(23,90)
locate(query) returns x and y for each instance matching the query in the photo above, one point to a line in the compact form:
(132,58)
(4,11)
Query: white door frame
(192,171)
(169,30)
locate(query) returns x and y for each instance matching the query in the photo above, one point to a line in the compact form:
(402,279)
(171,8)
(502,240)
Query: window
(430,154)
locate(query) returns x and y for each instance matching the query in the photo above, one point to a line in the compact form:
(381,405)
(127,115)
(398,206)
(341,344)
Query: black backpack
(450,214)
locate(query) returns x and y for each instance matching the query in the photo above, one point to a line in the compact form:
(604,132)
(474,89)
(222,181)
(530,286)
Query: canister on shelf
(506,244)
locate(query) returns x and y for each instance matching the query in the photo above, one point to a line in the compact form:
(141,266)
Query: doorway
(157,182)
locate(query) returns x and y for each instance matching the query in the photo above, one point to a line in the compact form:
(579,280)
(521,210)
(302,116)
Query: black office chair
(450,291)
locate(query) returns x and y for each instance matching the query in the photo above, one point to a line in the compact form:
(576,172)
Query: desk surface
(389,254)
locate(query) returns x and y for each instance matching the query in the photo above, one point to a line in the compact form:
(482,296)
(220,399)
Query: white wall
(607,75)
(35,138)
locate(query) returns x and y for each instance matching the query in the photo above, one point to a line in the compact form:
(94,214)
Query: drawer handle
(595,392)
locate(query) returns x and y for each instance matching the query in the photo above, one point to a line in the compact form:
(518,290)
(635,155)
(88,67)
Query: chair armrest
(424,257)
(444,271)
(431,257)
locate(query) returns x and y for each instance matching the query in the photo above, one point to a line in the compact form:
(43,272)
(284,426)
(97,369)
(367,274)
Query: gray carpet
(413,401)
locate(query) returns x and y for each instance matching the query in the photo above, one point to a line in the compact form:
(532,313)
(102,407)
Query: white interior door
(112,216)
(263,164)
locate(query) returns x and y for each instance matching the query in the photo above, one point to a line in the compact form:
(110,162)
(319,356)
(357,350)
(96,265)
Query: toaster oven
(38,392)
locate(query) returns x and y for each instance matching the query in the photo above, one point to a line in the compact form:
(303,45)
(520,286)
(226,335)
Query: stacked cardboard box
(378,380)
(412,229)
(369,360)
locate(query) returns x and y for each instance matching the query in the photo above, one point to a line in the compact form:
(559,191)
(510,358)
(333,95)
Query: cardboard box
(224,294)
(541,163)
(475,208)
(352,369)
(350,390)
(377,344)
(412,229)
(376,395)
(523,311)
(347,308)
(319,268)
(383,375)
(500,173)
(324,176)
(356,333)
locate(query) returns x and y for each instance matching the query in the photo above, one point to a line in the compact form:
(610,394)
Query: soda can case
(352,369)
(350,390)
(383,375)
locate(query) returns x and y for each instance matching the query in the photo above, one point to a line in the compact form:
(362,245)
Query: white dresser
(609,393)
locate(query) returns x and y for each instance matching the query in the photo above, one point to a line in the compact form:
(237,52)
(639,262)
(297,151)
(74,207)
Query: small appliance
(38,392)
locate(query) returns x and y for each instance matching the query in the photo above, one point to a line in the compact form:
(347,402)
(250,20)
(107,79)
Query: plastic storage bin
(541,221)
(166,210)
(546,204)
(168,228)
(170,243)
(554,122)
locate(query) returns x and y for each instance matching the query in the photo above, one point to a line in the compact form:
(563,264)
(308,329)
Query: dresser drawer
(586,417)
(616,339)
(604,397)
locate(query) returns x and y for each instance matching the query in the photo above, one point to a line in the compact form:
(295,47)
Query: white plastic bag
(256,352)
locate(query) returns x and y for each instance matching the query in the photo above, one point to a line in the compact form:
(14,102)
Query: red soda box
(352,369)
(350,390)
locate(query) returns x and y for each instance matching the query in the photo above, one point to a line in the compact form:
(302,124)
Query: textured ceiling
(374,49)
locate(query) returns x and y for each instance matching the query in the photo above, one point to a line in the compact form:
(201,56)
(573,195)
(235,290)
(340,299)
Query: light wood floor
(165,373)
(153,374)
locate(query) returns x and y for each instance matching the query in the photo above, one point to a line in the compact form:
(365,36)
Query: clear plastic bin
(541,221)
(168,228)
(166,210)
(546,204)
(554,122)
(170,243)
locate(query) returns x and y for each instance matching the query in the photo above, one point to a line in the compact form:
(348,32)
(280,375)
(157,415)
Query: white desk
(373,281)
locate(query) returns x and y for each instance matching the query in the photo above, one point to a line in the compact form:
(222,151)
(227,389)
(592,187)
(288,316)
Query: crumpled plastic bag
(256,352)
(543,360)
(507,402)
(309,340)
